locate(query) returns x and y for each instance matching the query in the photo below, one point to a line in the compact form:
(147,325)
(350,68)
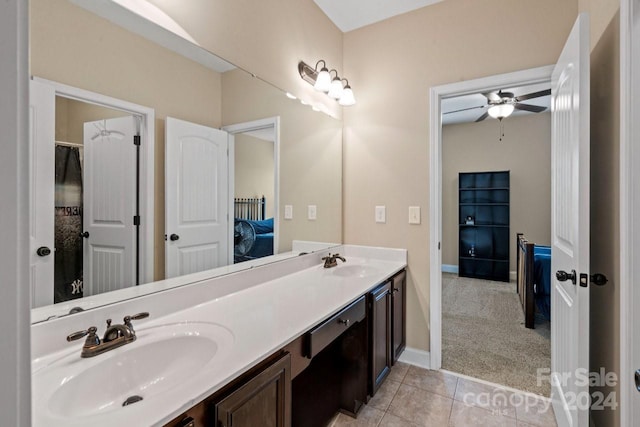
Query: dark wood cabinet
(380,359)
(264,400)
(484,225)
(399,305)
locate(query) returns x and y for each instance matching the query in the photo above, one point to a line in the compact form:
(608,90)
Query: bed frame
(524,278)
(251,208)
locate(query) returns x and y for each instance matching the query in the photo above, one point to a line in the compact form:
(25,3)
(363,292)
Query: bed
(533,279)
(249,215)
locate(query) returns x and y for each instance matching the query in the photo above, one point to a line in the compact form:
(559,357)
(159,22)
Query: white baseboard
(448,268)
(513,275)
(416,357)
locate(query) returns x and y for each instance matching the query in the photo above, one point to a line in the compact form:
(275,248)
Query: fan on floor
(244,236)
(501,104)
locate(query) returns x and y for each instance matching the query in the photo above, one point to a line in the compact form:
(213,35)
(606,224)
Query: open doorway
(496,179)
(438,239)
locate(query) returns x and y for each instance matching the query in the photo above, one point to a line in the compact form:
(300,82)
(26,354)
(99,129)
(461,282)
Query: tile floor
(412,396)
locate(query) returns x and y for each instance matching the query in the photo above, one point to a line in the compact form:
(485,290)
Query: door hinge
(136,140)
(136,220)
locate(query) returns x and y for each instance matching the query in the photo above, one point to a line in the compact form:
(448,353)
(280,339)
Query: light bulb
(500,111)
(347,97)
(336,90)
(323,81)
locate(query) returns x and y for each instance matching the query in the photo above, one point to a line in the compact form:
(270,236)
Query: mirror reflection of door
(254,177)
(95,200)
(196,198)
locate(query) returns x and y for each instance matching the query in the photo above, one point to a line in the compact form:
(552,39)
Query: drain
(131,400)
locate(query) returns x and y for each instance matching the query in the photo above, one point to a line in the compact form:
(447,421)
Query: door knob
(85,234)
(43,251)
(174,237)
(638,380)
(563,276)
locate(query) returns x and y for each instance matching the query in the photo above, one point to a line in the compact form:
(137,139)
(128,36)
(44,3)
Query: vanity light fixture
(333,87)
(323,78)
(347,97)
(500,111)
(335,90)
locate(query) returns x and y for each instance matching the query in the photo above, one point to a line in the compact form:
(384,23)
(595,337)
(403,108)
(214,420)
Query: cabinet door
(399,298)
(265,400)
(380,355)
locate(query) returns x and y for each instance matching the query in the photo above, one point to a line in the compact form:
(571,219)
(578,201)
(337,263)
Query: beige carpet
(483,334)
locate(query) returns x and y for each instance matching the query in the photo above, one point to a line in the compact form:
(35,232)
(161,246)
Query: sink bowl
(355,270)
(161,359)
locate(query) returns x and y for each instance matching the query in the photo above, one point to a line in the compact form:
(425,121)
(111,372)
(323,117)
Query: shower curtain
(68,224)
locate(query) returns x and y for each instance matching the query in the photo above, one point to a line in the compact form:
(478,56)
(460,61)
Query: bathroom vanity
(285,344)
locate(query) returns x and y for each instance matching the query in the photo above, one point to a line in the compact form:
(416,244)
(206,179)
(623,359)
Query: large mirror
(282,154)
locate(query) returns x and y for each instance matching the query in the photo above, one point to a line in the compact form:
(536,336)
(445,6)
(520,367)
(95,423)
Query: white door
(109,189)
(196,198)
(570,228)
(41,190)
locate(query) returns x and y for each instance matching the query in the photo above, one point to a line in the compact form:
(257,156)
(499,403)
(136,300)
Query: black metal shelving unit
(483,249)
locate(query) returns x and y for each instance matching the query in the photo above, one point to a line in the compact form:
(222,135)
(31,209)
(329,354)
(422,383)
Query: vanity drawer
(323,334)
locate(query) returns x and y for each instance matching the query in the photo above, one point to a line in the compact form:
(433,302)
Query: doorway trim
(147,134)
(269,122)
(629,210)
(436,95)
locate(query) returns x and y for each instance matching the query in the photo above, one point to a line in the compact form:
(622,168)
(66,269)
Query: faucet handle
(128,319)
(77,335)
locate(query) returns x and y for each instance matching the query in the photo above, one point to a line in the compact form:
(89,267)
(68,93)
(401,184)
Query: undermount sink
(161,359)
(355,270)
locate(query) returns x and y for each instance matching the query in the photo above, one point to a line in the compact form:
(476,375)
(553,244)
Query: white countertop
(262,319)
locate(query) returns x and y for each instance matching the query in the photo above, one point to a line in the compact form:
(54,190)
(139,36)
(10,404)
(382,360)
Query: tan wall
(310,156)
(525,151)
(267,38)
(71,116)
(75,47)
(391,66)
(254,170)
(605,193)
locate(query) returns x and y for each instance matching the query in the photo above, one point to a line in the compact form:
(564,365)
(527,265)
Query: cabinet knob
(344,322)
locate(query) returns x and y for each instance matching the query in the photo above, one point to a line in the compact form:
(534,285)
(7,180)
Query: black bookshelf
(484,225)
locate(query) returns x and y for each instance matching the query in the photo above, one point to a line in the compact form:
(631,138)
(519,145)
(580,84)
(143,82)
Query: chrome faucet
(114,336)
(332,260)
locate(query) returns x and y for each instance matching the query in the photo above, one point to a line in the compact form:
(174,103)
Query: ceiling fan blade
(533,95)
(464,109)
(493,96)
(482,117)
(527,107)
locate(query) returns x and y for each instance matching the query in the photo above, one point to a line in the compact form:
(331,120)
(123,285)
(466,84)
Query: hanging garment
(68,224)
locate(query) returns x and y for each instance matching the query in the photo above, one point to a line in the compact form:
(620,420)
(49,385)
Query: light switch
(312,212)
(288,211)
(381,214)
(414,214)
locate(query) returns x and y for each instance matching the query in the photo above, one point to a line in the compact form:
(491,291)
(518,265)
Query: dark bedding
(542,279)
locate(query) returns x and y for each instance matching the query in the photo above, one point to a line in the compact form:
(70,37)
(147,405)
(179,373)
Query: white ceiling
(351,14)
(478,104)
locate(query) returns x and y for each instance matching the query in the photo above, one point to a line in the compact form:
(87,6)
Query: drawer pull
(344,322)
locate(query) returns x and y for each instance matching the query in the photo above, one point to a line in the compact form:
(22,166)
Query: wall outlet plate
(312,212)
(381,214)
(414,214)
(288,211)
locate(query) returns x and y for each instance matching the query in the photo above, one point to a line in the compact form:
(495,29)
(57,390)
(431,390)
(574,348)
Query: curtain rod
(69,144)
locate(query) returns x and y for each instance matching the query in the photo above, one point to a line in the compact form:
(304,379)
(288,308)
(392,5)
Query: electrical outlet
(381,214)
(414,214)
(288,211)
(312,212)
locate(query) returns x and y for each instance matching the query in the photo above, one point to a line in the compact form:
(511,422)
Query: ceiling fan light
(323,81)
(500,111)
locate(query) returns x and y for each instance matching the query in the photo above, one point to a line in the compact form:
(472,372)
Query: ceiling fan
(501,104)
